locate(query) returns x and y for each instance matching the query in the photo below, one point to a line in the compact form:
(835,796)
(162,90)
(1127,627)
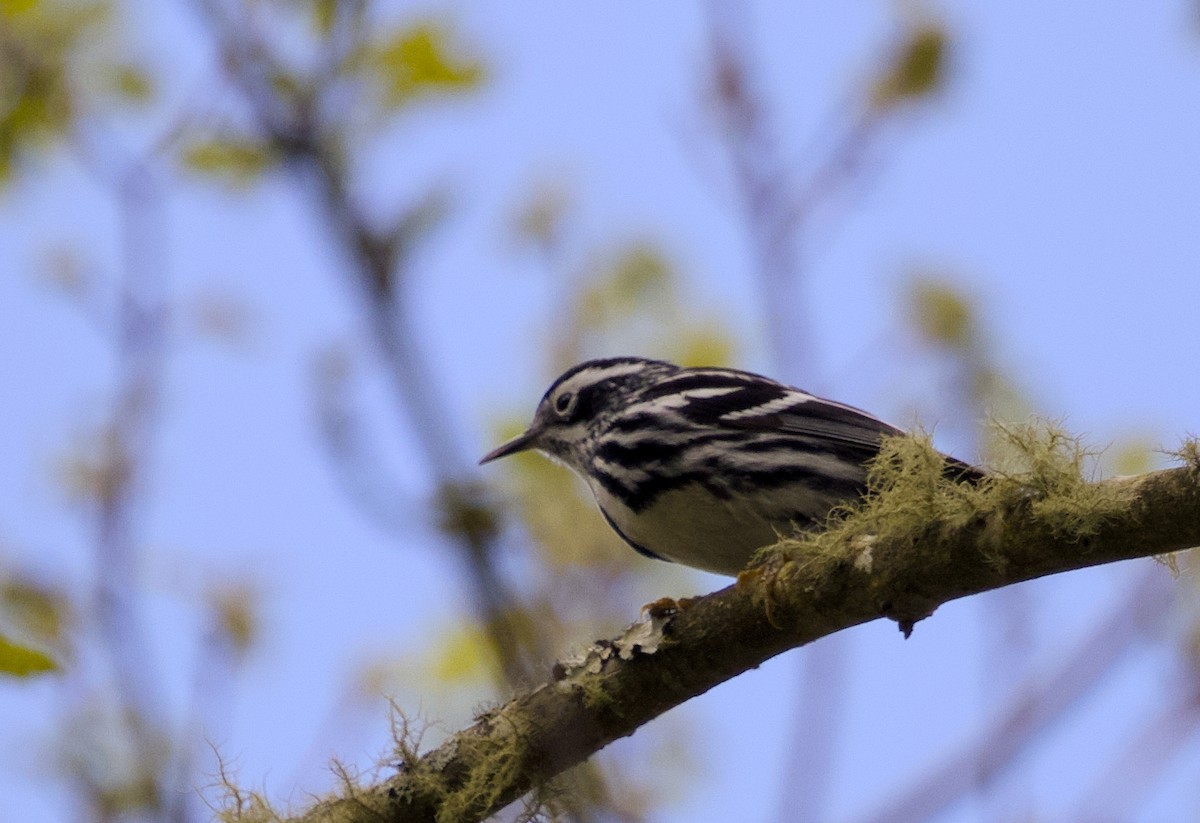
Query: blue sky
(1055,179)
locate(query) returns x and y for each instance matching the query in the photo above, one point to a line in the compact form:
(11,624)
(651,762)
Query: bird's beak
(520,443)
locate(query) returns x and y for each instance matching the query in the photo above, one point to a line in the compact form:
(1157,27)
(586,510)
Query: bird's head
(580,404)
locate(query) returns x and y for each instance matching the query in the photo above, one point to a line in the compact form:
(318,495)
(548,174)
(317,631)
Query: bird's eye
(564,403)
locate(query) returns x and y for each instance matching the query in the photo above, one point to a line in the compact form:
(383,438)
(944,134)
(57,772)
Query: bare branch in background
(1146,759)
(295,128)
(1033,708)
(230,634)
(114,474)
(772,224)
(763,185)
(778,199)
(815,730)
(362,475)
(778,203)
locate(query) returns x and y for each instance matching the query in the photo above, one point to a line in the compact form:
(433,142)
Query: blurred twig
(228,636)
(296,129)
(1132,773)
(765,188)
(778,202)
(945,317)
(1034,708)
(362,475)
(777,205)
(116,475)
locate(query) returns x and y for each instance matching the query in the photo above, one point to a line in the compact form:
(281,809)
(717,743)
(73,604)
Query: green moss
(406,735)
(909,494)
(237,805)
(595,696)
(1189,454)
(249,808)
(913,501)
(496,762)
(1053,484)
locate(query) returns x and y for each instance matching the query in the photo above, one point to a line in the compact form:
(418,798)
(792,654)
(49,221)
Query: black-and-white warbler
(702,466)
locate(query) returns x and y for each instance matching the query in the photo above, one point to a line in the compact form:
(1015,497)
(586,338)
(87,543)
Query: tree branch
(798,593)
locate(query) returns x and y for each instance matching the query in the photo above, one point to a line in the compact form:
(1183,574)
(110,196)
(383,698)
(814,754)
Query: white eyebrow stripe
(595,374)
(779,404)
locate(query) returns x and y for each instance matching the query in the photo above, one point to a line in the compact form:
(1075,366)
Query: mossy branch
(919,541)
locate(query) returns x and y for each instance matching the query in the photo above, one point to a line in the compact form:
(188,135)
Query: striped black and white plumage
(701,466)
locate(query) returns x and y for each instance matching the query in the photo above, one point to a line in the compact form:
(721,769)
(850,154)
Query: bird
(704,466)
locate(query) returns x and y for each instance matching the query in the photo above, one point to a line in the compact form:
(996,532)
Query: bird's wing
(739,400)
(804,414)
(845,425)
(730,399)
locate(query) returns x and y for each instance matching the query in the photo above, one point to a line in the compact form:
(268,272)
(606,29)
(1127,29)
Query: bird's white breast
(690,526)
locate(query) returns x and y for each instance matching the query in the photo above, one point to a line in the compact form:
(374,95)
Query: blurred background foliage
(307,98)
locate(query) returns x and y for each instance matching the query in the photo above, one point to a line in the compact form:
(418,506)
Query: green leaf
(463,654)
(324,15)
(42,110)
(417,60)
(41,612)
(21,661)
(916,69)
(237,617)
(132,83)
(37,90)
(640,271)
(942,314)
(637,276)
(706,345)
(1136,456)
(12,8)
(238,160)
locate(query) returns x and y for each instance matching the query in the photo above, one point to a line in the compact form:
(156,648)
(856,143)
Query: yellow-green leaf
(22,661)
(324,12)
(704,345)
(638,276)
(1132,456)
(640,271)
(236,617)
(942,314)
(39,610)
(237,160)
(12,8)
(132,83)
(463,654)
(418,60)
(916,69)
(37,91)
